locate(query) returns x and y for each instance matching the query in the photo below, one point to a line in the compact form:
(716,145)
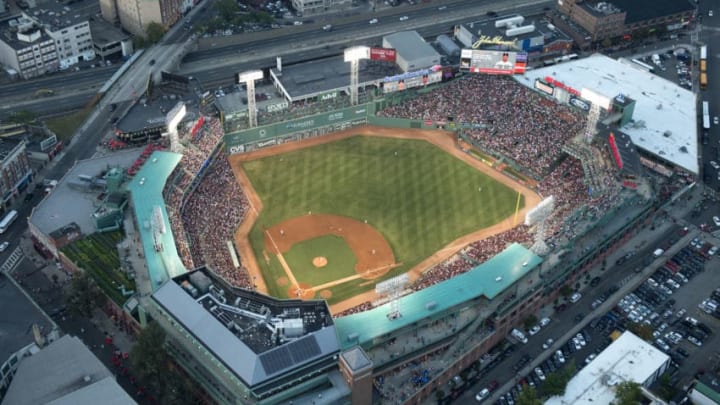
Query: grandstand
(658,127)
(444,325)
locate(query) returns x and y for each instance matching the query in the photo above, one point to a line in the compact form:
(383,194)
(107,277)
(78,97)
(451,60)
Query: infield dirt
(441,139)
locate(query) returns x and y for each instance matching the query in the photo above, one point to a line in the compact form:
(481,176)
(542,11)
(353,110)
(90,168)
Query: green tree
(667,390)
(530,321)
(627,393)
(154,368)
(154,32)
(643,330)
(84,296)
(566,291)
(227,9)
(528,396)
(554,384)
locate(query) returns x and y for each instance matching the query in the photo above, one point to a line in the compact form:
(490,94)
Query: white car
(559,356)
(544,322)
(716,120)
(710,13)
(534,330)
(581,339)
(482,395)
(539,373)
(404,18)
(374,21)
(590,358)
(575,297)
(548,343)
(694,341)
(714,164)
(716,220)
(4,246)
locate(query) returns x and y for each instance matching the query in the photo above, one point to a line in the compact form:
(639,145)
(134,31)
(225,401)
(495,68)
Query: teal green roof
(708,392)
(488,279)
(146,193)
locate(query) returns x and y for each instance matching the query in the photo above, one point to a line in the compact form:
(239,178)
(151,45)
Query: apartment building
(135,15)
(26,49)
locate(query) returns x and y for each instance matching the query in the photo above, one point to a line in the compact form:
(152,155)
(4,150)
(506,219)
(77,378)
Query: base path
(442,139)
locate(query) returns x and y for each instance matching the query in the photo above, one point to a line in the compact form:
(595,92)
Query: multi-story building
(605,20)
(15,170)
(26,48)
(135,15)
(313,7)
(69,26)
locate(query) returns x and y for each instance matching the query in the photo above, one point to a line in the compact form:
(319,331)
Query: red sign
(616,153)
(383,54)
(561,85)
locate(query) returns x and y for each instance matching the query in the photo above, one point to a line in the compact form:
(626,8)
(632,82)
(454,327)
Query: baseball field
(334,218)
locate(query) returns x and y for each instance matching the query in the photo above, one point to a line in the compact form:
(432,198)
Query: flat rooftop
(487,279)
(411,45)
(150,114)
(57,15)
(66,204)
(641,10)
(487,27)
(305,80)
(18,317)
(104,33)
(65,372)
(662,110)
(7,145)
(629,358)
(8,33)
(257,337)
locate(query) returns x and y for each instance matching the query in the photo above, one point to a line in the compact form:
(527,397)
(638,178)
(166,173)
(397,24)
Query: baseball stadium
(311,257)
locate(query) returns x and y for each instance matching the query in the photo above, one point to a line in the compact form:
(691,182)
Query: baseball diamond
(374,202)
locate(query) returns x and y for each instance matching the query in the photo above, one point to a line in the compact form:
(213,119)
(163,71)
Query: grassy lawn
(341,260)
(420,199)
(97,254)
(65,126)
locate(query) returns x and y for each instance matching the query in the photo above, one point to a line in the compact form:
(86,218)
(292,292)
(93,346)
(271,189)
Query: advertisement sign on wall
(383,54)
(493,62)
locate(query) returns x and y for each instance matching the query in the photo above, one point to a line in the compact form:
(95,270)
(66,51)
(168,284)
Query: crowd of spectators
(204,219)
(210,216)
(518,123)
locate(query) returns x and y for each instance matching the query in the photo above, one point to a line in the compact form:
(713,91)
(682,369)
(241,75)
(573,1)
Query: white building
(69,27)
(312,7)
(628,358)
(26,48)
(663,125)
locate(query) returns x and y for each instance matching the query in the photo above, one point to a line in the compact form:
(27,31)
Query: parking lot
(665,307)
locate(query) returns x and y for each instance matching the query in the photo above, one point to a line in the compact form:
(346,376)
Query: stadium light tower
(392,289)
(354,55)
(172,120)
(597,101)
(249,78)
(538,216)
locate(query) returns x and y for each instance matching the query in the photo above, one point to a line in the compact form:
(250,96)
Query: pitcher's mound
(320,261)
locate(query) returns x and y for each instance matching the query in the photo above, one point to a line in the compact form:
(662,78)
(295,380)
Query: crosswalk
(12,260)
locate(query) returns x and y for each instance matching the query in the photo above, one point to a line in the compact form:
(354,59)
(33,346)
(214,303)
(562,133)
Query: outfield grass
(420,199)
(341,260)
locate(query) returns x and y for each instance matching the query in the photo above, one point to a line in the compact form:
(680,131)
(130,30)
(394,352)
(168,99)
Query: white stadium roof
(629,358)
(665,113)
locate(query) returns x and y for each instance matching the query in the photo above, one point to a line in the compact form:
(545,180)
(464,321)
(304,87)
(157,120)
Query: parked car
(575,297)
(548,343)
(482,395)
(4,246)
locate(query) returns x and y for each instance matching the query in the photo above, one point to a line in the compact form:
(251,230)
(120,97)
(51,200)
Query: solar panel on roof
(304,349)
(276,360)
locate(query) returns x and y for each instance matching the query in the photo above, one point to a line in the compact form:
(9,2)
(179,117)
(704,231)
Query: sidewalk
(630,284)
